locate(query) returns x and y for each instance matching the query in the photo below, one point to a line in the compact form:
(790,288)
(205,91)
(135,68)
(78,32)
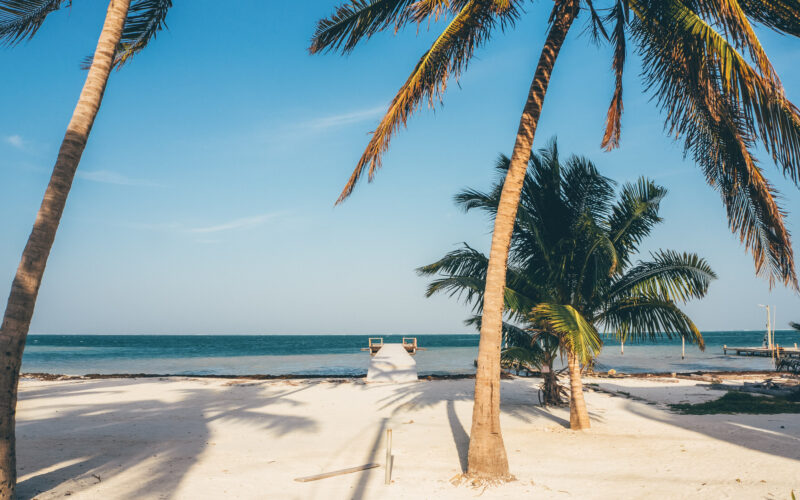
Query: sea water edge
(341,355)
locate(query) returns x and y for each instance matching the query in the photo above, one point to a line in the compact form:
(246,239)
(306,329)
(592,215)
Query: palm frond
(692,84)
(649,317)
(634,215)
(357,20)
(578,334)
(619,14)
(145,19)
(21,19)
(673,276)
(794,325)
(463,275)
(732,20)
(694,46)
(782,16)
(447,58)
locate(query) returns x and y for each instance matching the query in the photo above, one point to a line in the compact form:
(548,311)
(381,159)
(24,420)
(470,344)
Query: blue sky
(204,200)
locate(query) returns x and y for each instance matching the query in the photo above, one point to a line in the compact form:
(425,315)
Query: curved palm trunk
(578,416)
(487,455)
(25,288)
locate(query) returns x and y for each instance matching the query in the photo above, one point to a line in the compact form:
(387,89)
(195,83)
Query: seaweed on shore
(742,402)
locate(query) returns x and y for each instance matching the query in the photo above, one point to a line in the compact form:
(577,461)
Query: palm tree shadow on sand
(756,432)
(84,445)
(522,405)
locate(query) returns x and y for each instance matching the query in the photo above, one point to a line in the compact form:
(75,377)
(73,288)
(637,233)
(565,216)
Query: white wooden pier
(393,364)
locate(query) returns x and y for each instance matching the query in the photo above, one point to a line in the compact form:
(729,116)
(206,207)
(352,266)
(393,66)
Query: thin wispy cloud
(15,140)
(346,118)
(244,222)
(109,177)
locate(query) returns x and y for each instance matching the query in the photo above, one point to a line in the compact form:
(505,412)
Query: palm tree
(707,72)
(535,348)
(570,265)
(794,325)
(128,26)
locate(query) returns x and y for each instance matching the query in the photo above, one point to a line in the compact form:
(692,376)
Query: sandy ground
(210,438)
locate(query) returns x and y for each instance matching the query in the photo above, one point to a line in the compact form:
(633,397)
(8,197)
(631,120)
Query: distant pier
(788,352)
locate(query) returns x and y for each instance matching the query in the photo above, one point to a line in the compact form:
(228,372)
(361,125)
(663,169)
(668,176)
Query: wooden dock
(392,364)
(777,351)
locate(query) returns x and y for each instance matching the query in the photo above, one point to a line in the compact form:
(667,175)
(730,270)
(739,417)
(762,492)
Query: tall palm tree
(570,265)
(129,25)
(702,63)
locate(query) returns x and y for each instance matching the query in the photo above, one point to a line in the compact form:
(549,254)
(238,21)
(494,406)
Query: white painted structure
(392,364)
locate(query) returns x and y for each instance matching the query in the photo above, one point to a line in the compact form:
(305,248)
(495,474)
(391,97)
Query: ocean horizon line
(785,330)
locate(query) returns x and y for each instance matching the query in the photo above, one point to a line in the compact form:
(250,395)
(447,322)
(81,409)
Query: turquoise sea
(341,354)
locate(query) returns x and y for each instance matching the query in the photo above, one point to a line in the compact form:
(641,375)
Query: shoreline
(693,375)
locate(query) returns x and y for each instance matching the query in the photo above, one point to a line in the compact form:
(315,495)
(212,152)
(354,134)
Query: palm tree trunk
(25,288)
(487,453)
(578,416)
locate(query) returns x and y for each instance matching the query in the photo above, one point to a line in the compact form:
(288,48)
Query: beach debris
(325,475)
(389,458)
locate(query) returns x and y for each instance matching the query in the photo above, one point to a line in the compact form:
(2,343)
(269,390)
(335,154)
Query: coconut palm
(702,63)
(129,25)
(570,268)
(535,348)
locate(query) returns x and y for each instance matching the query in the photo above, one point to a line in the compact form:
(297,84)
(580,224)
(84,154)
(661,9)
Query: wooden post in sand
(388,479)
(683,347)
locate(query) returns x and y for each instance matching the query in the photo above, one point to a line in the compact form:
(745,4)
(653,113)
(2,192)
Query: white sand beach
(188,438)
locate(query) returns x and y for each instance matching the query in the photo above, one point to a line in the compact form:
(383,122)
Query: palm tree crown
(571,264)
(21,19)
(570,269)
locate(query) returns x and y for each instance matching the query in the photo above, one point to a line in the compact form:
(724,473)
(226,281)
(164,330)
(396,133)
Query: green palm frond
(634,215)
(463,275)
(673,276)
(578,334)
(357,20)
(649,317)
(447,58)
(532,357)
(794,325)
(21,19)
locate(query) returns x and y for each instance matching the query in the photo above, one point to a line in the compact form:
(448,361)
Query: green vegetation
(571,269)
(742,402)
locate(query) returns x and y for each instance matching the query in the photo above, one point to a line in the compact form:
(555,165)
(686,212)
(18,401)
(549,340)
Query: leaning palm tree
(129,25)
(570,268)
(702,63)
